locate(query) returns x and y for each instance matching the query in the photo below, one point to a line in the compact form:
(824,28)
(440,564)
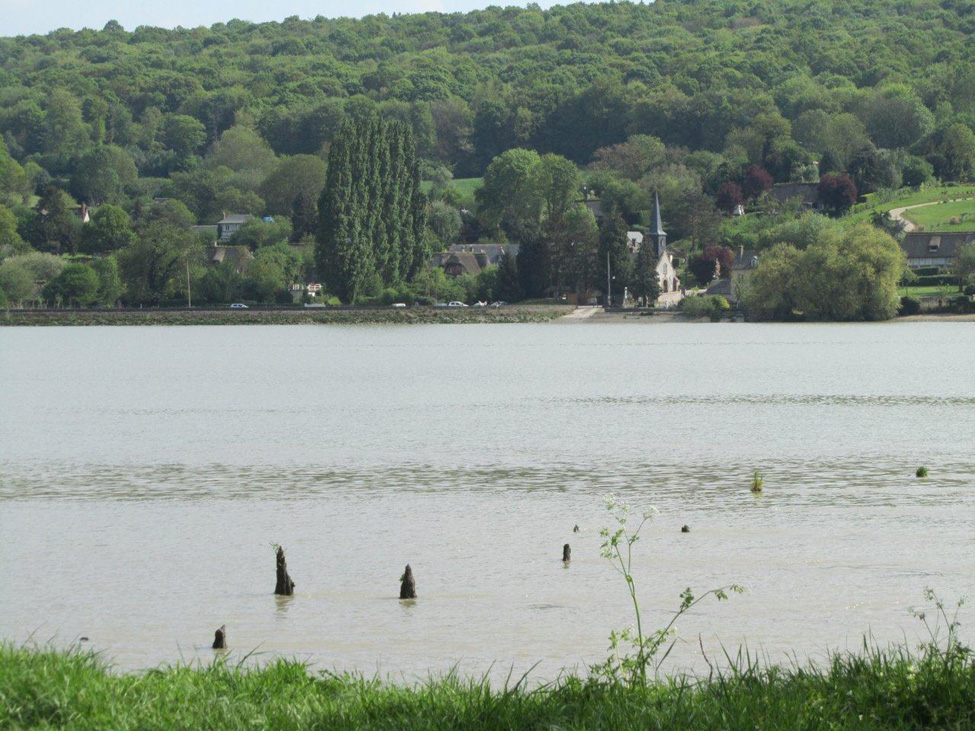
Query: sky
(19,17)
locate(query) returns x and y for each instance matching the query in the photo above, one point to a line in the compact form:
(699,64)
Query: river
(146,472)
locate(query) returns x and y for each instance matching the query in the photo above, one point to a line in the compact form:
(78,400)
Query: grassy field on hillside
(907,197)
(892,689)
(955,216)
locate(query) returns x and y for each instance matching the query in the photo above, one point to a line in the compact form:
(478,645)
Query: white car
(398,304)
(455,303)
(238,306)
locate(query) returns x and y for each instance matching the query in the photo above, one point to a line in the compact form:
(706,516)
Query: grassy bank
(876,690)
(377,316)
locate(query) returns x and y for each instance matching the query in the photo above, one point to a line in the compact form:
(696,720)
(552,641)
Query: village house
(230,224)
(934,249)
(237,256)
(471,258)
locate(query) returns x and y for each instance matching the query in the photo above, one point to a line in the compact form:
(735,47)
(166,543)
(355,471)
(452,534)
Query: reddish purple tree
(711,261)
(837,192)
(728,197)
(755,181)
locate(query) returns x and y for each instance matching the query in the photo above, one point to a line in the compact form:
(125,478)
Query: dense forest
(706,103)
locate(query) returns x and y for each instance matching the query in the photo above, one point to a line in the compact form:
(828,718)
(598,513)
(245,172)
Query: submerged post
(220,638)
(685,529)
(407,587)
(566,553)
(284,586)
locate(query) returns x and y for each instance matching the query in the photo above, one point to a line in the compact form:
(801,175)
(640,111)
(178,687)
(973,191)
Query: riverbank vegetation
(297,316)
(875,689)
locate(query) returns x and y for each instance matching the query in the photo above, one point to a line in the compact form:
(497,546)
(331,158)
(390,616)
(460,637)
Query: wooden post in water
(685,529)
(407,587)
(220,638)
(566,553)
(285,586)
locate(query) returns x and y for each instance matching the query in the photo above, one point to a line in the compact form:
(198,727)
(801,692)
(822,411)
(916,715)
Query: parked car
(499,303)
(480,304)
(398,304)
(238,306)
(455,303)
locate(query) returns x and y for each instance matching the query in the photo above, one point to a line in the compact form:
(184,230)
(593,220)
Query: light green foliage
(245,152)
(257,233)
(10,241)
(711,306)
(509,197)
(76,285)
(631,159)
(17,282)
(109,280)
(108,230)
(965,264)
(840,276)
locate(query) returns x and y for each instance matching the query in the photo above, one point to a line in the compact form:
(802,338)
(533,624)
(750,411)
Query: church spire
(657,233)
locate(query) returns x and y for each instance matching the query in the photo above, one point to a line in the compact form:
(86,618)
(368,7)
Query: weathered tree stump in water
(407,587)
(566,553)
(285,586)
(685,529)
(575,529)
(220,638)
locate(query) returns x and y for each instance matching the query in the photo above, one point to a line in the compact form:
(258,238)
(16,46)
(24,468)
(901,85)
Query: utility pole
(189,295)
(609,285)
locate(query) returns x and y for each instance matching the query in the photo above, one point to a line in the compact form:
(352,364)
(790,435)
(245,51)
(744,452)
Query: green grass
(928,292)
(956,216)
(464,186)
(42,688)
(907,197)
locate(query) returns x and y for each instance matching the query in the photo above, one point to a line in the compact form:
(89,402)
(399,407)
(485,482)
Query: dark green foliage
(508,281)
(372,214)
(613,242)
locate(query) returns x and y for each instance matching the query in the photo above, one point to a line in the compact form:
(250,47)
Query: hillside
(568,80)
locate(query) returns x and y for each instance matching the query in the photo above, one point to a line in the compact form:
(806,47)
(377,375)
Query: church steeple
(657,234)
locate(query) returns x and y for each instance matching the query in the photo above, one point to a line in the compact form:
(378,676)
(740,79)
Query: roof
(239,256)
(928,245)
(656,224)
(234,218)
(494,252)
(808,193)
(466,260)
(720,286)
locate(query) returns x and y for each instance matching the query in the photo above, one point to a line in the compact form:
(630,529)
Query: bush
(710,306)
(910,306)
(937,280)
(4,304)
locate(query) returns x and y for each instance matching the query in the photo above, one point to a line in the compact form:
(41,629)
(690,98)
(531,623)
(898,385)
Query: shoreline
(513,314)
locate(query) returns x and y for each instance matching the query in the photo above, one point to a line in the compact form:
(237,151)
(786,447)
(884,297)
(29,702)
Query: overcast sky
(40,16)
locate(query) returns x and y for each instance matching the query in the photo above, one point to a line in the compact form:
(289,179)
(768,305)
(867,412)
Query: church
(670,288)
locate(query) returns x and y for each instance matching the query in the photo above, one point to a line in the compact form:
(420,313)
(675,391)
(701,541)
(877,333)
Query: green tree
(510,198)
(372,214)
(645,281)
(613,242)
(957,151)
(17,281)
(293,177)
(109,280)
(55,227)
(77,285)
(257,233)
(109,229)
(896,117)
(508,282)
(444,221)
(102,175)
(152,265)
(10,241)
(183,134)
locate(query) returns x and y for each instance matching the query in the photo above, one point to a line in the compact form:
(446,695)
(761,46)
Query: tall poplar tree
(372,212)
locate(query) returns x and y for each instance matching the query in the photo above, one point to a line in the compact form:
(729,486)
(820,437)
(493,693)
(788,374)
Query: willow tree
(371,212)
